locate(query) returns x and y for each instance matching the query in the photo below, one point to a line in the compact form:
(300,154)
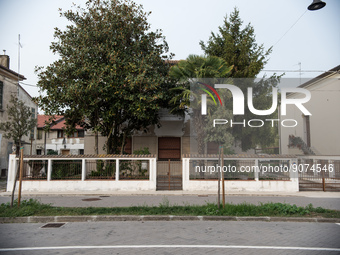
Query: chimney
(4,60)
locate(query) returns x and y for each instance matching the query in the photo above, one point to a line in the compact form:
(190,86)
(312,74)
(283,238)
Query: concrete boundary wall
(255,185)
(50,185)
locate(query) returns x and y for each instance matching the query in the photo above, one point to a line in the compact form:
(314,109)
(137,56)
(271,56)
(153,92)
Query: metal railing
(86,168)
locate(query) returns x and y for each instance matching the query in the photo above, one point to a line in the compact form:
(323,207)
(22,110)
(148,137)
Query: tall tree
(111,75)
(195,69)
(237,46)
(20,121)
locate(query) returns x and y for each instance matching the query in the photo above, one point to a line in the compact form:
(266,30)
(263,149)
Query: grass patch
(33,207)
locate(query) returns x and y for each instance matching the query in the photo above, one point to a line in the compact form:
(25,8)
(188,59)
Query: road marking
(170,246)
(337,224)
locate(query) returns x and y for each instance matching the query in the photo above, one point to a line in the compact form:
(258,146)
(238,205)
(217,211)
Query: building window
(79,133)
(39,152)
(40,133)
(1,94)
(60,133)
(81,151)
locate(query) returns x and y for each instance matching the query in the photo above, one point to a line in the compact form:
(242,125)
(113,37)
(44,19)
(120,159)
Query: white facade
(9,86)
(321,134)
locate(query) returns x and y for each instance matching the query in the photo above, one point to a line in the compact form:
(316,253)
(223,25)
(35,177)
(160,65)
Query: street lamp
(316,5)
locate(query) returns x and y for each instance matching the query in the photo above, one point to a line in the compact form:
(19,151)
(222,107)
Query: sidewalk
(329,200)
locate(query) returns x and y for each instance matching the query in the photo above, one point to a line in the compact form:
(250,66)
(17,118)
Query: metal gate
(319,175)
(169,175)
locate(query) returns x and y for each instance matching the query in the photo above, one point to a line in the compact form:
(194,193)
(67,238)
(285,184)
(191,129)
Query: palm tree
(189,71)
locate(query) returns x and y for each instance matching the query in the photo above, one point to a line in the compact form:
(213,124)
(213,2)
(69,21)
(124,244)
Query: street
(180,237)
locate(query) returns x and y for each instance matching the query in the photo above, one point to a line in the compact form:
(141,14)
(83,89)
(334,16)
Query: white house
(318,133)
(9,85)
(56,139)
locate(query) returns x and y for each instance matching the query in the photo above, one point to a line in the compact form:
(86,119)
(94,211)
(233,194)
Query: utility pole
(223,189)
(219,179)
(19,46)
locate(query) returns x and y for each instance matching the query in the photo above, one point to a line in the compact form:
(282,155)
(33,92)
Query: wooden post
(169,175)
(223,190)
(20,174)
(323,181)
(219,180)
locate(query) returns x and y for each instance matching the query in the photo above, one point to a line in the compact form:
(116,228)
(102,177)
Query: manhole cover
(53,225)
(202,195)
(91,199)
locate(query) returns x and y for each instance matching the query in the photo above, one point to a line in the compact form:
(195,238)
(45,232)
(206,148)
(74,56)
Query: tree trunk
(96,142)
(123,144)
(16,175)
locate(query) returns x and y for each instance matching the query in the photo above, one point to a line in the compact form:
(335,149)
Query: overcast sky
(313,40)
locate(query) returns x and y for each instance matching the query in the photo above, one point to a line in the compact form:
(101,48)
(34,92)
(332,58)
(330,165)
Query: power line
(26,84)
(297,71)
(289,28)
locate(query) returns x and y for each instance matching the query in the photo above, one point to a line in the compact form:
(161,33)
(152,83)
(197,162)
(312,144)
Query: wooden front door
(65,152)
(169,165)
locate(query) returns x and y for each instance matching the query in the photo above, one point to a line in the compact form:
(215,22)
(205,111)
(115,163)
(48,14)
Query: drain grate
(91,199)
(53,225)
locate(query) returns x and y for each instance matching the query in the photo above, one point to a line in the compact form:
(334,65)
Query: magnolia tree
(112,73)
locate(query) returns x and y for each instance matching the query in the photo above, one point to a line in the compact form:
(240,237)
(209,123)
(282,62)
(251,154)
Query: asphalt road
(206,237)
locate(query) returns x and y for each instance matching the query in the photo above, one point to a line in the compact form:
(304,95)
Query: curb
(142,218)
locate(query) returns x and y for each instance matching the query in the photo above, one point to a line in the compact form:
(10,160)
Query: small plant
(52,152)
(104,169)
(212,209)
(165,203)
(27,208)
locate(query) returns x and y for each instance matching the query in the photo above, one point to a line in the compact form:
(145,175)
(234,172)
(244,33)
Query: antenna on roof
(19,46)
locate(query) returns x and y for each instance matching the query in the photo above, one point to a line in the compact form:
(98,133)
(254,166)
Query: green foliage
(266,135)
(238,47)
(104,169)
(65,169)
(20,121)
(112,76)
(52,152)
(220,134)
(142,151)
(27,208)
(33,207)
(194,69)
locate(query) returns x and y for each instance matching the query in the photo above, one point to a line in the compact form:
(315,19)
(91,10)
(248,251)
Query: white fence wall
(255,185)
(49,185)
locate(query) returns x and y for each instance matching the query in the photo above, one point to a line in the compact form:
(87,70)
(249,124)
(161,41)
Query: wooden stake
(323,181)
(169,175)
(219,180)
(223,190)
(21,172)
